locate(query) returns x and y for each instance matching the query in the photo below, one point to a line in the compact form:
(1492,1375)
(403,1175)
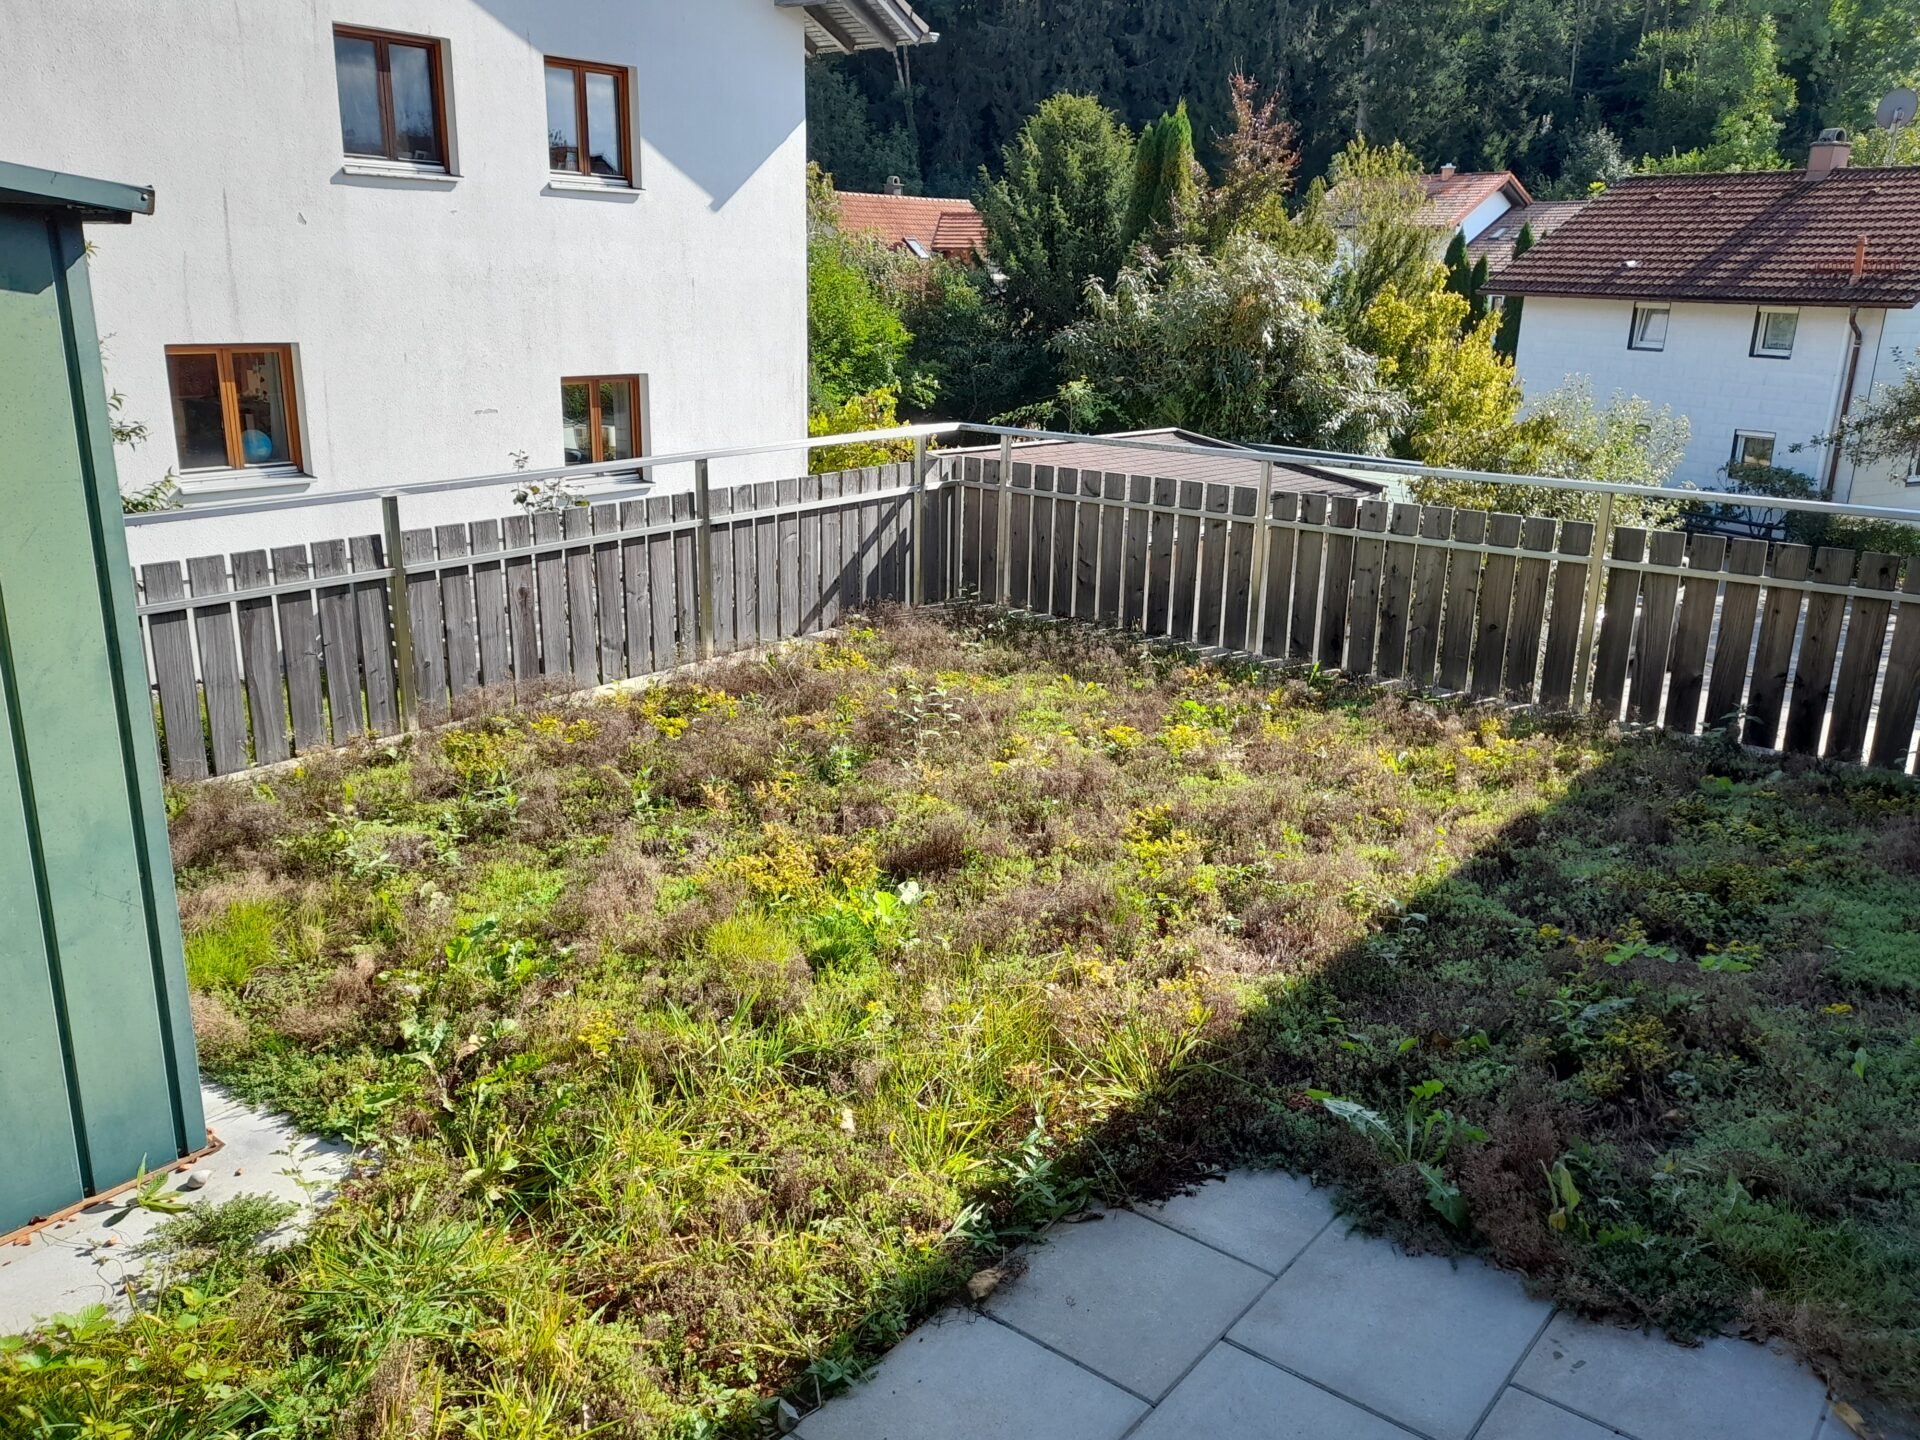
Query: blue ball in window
(256,445)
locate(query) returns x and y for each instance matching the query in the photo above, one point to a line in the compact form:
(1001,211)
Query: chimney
(1447,170)
(895,186)
(1829,153)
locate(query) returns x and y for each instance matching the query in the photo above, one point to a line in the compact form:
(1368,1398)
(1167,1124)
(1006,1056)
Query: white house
(1470,200)
(1760,306)
(411,240)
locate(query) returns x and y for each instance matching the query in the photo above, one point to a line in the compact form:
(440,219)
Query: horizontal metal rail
(641,467)
(440,565)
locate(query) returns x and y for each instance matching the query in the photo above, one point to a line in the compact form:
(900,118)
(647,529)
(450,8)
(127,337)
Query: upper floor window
(392,99)
(587,119)
(1649,330)
(1752,447)
(233,405)
(599,417)
(1773,333)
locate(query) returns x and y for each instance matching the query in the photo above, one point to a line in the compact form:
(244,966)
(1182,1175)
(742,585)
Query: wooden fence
(1813,652)
(263,655)
(259,656)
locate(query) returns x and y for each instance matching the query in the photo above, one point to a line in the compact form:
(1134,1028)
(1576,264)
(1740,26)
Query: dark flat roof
(1225,467)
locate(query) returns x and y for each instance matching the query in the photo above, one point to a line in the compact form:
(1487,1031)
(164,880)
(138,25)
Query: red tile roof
(1773,237)
(1496,241)
(945,227)
(1452,198)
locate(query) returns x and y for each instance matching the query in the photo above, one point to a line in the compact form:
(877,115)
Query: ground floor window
(1752,447)
(233,405)
(600,418)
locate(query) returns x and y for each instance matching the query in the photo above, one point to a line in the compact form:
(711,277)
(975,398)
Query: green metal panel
(97,1066)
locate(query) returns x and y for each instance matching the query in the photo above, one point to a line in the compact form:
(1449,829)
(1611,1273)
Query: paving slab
(1520,1416)
(1263,1217)
(1653,1389)
(1424,1340)
(1231,1395)
(964,1377)
(87,1259)
(1128,1298)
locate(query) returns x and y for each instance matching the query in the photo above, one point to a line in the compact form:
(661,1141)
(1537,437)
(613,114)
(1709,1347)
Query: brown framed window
(393,102)
(233,406)
(587,119)
(600,418)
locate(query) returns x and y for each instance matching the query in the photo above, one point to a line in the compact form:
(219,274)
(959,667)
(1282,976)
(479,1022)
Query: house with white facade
(1760,306)
(400,241)
(1470,201)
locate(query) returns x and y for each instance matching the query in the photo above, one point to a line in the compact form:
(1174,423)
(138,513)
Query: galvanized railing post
(1003,527)
(917,525)
(1261,537)
(1590,611)
(401,612)
(703,559)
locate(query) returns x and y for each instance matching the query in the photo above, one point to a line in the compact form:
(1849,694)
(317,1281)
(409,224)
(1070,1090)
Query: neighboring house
(1470,201)
(1760,306)
(410,240)
(1495,243)
(922,225)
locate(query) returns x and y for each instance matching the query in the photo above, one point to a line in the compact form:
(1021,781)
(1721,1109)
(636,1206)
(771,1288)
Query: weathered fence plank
(1113,538)
(1529,621)
(1303,626)
(1565,614)
(372,599)
(1277,599)
(583,659)
(550,586)
(1687,667)
(260,659)
(1462,617)
(1496,605)
(1236,628)
(1429,595)
(1212,564)
(1659,600)
(340,641)
(660,624)
(1819,644)
(457,609)
(1900,694)
(1396,593)
(1160,556)
(1186,561)
(300,642)
(1778,624)
(686,603)
(1342,515)
(490,604)
(1733,650)
(1086,547)
(1615,645)
(523,627)
(213,635)
(787,494)
(1860,665)
(1369,558)
(429,628)
(610,600)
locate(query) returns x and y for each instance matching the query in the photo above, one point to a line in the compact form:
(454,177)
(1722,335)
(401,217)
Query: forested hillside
(1561,91)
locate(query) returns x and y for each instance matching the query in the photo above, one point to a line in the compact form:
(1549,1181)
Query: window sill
(211,487)
(391,170)
(589,185)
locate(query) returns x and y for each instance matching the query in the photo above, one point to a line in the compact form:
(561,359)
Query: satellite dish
(1897,109)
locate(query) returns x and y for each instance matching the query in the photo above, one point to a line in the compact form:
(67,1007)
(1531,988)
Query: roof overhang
(87,199)
(840,27)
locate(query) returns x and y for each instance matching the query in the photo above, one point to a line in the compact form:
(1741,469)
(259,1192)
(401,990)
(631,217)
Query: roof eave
(842,27)
(1508,284)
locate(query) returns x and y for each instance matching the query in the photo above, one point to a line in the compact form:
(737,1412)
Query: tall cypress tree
(1507,339)
(1467,278)
(1163,183)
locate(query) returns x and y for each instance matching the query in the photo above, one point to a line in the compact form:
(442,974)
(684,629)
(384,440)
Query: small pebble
(196,1180)
(983,1284)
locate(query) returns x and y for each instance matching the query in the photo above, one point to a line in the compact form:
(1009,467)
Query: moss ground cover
(708,1036)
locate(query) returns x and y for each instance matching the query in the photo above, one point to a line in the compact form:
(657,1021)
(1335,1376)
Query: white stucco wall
(1484,214)
(432,323)
(1705,373)
(1881,365)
